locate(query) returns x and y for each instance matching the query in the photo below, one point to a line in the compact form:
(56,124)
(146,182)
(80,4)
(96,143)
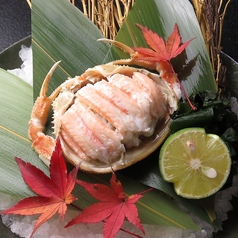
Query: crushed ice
(54,228)
(25,71)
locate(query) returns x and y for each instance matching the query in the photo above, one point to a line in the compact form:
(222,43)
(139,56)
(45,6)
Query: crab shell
(66,100)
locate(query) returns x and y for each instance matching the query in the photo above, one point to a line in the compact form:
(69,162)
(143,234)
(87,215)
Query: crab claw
(41,142)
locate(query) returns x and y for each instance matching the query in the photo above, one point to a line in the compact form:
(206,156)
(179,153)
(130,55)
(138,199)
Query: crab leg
(43,144)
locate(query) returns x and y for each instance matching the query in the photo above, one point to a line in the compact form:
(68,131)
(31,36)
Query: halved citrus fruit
(198,164)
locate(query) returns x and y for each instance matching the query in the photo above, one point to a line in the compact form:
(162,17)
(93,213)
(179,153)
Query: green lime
(198,164)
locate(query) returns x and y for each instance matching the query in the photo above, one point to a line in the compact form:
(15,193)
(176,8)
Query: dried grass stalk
(210,14)
(29,3)
(107,15)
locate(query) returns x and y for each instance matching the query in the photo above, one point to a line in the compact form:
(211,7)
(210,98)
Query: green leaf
(60,31)
(15,109)
(199,118)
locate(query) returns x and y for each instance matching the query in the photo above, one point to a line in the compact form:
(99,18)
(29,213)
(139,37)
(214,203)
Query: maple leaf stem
(186,95)
(75,206)
(146,191)
(184,91)
(131,233)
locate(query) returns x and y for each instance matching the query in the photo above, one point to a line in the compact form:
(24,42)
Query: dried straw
(210,15)
(29,3)
(108,15)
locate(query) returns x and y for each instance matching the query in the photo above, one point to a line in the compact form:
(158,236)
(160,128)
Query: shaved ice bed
(25,70)
(54,228)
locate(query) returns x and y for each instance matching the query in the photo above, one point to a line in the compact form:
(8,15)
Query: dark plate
(9,59)
(230,228)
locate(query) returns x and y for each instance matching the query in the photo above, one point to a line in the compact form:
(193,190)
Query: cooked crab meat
(89,136)
(111,115)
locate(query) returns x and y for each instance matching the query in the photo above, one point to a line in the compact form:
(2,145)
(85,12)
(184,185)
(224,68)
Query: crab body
(108,118)
(113,115)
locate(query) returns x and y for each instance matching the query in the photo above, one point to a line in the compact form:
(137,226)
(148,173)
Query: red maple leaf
(160,50)
(54,192)
(113,207)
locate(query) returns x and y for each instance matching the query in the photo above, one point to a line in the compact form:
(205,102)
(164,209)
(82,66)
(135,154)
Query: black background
(15,22)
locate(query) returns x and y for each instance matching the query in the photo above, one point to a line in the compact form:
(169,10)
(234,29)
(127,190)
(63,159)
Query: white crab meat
(104,119)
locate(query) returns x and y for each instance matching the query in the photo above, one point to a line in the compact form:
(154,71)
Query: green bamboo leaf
(15,104)
(60,31)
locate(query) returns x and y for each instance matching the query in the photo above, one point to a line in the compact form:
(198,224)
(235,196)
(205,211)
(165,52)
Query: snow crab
(110,117)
